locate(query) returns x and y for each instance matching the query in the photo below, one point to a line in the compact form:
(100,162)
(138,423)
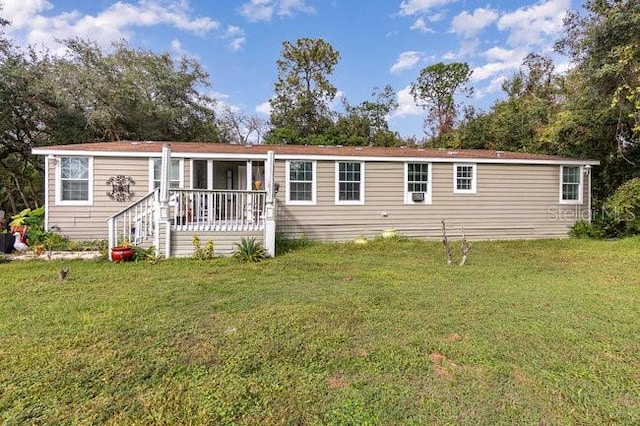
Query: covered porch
(223,210)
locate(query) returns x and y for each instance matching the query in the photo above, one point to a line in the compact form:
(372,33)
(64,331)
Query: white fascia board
(435,160)
(129,154)
(258,156)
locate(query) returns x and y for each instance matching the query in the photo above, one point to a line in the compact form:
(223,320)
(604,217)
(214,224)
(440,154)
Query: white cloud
(236,35)
(176,46)
(449,56)
(405,61)
(494,86)
(264,108)
(406,104)
(21,13)
(493,69)
(500,54)
(421,25)
(111,24)
(237,43)
(290,7)
(531,25)
(263,10)
(412,7)
(469,24)
(257,10)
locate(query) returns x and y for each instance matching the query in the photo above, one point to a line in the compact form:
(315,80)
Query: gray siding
(512,201)
(223,242)
(90,222)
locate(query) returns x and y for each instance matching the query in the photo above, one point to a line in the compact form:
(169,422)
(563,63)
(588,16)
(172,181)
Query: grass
(539,332)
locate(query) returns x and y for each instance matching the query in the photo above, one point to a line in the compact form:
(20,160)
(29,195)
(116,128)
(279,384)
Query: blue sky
(380,41)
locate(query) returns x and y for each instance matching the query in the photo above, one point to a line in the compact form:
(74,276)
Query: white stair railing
(136,224)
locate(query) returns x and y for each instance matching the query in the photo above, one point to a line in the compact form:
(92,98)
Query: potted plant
(123,251)
(257,183)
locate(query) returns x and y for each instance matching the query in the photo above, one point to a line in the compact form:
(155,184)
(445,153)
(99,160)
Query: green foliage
(583,229)
(34,220)
(149,254)
(303,90)
(249,250)
(366,124)
(623,210)
(202,253)
(520,122)
(435,91)
(92,95)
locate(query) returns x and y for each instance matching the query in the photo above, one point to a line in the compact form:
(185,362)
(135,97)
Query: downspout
(270,220)
(47,164)
(165,175)
(590,215)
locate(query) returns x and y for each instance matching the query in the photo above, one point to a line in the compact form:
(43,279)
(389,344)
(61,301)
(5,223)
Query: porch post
(270,220)
(165,176)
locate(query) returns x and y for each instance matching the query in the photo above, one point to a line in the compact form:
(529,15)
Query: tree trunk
(445,242)
(465,248)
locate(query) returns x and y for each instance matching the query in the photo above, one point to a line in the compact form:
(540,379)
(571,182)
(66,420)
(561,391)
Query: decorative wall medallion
(120,185)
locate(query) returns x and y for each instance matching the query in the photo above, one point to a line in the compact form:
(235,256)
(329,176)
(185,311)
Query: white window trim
(58,184)
(407,194)
(474,178)
(181,167)
(314,169)
(580,186)
(338,201)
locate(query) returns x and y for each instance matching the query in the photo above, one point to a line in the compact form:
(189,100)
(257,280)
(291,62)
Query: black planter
(6,243)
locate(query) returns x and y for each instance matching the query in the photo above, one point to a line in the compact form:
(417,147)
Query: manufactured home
(163,194)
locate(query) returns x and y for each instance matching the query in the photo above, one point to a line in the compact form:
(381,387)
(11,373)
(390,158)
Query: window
(74,183)
(464,178)
(175,179)
(571,185)
(418,183)
(301,182)
(349,182)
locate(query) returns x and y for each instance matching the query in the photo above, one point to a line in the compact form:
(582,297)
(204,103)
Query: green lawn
(542,332)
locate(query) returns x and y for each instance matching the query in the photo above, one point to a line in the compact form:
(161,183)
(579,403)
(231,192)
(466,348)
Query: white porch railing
(189,210)
(136,224)
(215,210)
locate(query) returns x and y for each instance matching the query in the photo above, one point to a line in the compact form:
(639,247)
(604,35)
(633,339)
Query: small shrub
(34,219)
(249,250)
(582,229)
(148,254)
(202,253)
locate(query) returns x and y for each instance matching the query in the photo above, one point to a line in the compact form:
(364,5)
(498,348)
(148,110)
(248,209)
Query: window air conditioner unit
(417,197)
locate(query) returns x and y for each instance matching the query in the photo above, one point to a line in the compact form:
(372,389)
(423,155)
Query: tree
(300,107)
(87,96)
(605,45)
(601,118)
(236,127)
(519,122)
(435,91)
(367,123)
(134,93)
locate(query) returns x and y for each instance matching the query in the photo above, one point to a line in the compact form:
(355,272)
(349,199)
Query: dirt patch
(437,358)
(453,337)
(337,381)
(442,366)
(196,350)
